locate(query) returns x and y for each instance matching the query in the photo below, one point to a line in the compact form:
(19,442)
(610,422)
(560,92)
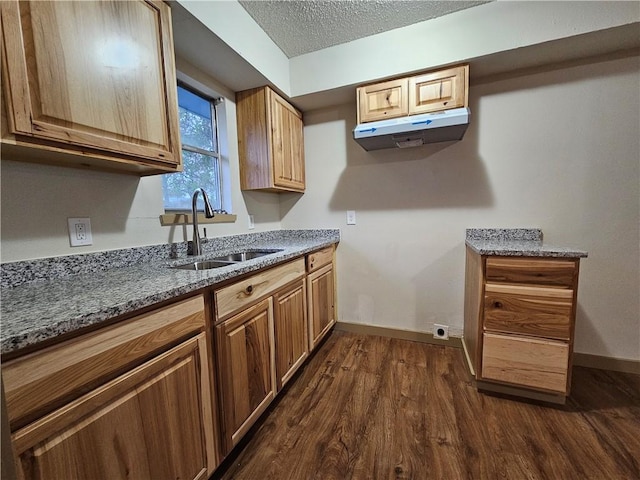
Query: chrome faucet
(196,249)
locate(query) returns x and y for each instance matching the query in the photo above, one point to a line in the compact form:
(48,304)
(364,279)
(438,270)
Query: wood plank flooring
(368,407)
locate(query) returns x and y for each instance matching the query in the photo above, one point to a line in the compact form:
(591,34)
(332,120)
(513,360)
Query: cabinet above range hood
(413,130)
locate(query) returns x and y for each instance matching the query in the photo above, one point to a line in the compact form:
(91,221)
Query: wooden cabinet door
(291,337)
(95,76)
(148,424)
(287,145)
(536,363)
(246,368)
(383,100)
(320,286)
(438,91)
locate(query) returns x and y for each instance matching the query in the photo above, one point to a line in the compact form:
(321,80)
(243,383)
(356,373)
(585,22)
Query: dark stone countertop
(42,299)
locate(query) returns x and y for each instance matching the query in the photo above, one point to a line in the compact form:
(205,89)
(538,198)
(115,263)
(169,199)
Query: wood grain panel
(319,259)
(382,101)
(541,312)
(90,94)
(321,291)
(473,308)
(246,368)
(539,271)
(441,90)
(147,424)
(38,383)
(287,144)
(540,364)
(239,295)
(291,337)
(253,148)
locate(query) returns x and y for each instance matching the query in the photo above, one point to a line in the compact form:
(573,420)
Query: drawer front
(539,271)
(42,381)
(241,294)
(540,364)
(319,259)
(543,312)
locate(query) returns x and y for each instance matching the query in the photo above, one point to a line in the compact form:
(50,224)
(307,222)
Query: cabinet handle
(497,304)
(249,289)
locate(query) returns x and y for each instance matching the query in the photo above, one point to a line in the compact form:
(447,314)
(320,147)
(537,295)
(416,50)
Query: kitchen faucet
(196,248)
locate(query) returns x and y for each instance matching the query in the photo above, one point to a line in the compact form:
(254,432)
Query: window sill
(187,219)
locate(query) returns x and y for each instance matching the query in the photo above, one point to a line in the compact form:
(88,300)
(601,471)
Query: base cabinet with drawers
(78,411)
(519,322)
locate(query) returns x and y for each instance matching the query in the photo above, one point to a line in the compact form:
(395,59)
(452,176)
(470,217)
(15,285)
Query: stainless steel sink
(225,260)
(244,256)
(203,265)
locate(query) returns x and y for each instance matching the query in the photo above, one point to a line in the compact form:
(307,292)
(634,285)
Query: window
(200,154)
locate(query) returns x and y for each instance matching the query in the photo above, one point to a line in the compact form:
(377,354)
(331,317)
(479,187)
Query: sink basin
(204,265)
(244,256)
(225,260)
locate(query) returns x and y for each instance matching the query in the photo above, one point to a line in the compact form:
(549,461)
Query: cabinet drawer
(541,364)
(319,259)
(539,271)
(539,311)
(241,294)
(37,383)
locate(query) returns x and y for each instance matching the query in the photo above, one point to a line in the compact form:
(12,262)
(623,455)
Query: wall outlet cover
(80,231)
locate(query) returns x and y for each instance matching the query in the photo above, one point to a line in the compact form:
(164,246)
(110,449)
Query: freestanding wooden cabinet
(91,84)
(291,337)
(270,142)
(519,322)
(321,292)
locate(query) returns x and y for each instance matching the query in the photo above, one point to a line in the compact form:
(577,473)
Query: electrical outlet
(80,232)
(440,331)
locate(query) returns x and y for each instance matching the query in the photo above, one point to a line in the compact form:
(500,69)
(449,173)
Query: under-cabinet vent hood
(414,130)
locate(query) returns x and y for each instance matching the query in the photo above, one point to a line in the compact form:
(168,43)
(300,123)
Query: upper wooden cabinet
(383,100)
(91,84)
(270,142)
(424,93)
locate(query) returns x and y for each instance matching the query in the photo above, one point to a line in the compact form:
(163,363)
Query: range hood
(414,130)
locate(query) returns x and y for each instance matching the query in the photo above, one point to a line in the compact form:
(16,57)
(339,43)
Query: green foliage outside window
(199,154)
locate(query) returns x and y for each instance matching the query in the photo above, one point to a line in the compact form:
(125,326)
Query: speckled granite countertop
(520,242)
(42,299)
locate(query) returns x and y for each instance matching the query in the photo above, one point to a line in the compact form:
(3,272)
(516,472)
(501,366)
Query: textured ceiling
(303,26)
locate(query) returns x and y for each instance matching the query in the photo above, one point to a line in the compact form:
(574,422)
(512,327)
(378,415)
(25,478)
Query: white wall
(36,201)
(558,150)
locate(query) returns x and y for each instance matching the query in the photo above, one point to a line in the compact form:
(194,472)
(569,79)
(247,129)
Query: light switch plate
(351,217)
(80,231)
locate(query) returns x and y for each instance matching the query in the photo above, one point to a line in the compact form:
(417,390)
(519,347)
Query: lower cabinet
(320,285)
(245,347)
(291,337)
(150,423)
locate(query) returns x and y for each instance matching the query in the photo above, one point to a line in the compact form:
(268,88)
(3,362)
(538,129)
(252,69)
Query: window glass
(200,158)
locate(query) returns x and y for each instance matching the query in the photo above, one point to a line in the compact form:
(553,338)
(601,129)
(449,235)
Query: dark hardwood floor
(367,407)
